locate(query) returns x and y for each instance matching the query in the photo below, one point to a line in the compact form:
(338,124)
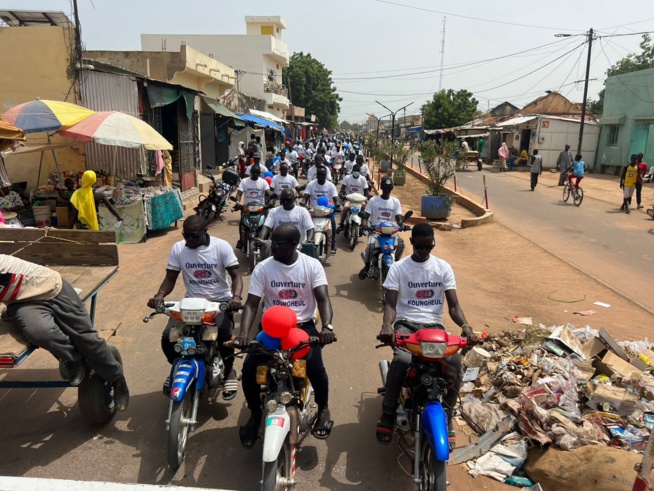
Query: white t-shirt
(292,156)
(348,166)
(421,288)
(298,216)
(365,170)
(289,285)
(280,182)
(204,269)
(316,190)
(312,173)
(355,185)
(383,210)
(254,191)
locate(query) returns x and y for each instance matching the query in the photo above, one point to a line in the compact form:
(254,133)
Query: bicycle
(577,193)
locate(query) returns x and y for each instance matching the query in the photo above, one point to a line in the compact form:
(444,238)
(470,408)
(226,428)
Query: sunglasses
(278,243)
(424,247)
(194,235)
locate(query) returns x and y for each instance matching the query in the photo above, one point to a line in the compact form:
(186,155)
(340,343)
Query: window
(267,30)
(612,136)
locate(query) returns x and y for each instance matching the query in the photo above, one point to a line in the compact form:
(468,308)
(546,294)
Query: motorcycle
(353,228)
(199,367)
(215,204)
(287,397)
(421,412)
(384,255)
(322,231)
(337,170)
(253,219)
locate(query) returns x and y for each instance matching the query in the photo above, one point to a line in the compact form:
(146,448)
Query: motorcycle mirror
(273,196)
(408,215)
(232,198)
(364,215)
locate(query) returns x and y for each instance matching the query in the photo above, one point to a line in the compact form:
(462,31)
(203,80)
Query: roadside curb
(484,215)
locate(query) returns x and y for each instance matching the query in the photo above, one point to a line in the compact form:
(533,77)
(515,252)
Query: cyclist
(578,168)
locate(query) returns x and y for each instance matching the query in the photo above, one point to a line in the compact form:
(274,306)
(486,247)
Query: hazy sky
(362,40)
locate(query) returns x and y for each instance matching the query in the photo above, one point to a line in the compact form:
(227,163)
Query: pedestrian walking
(628,181)
(563,162)
(536,168)
(642,171)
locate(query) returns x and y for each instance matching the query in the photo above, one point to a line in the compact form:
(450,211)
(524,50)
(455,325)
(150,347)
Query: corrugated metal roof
(516,121)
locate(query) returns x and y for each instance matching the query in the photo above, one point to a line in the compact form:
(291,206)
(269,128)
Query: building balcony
(275,88)
(279,52)
(277,100)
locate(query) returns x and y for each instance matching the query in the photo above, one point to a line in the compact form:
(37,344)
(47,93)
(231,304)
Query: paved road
(596,237)
(43,434)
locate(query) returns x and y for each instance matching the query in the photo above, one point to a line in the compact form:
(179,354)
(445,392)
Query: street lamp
(392,123)
(378,120)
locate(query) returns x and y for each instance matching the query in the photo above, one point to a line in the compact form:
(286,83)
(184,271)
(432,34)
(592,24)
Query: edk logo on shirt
(201,273)
(424,294)
(287,294)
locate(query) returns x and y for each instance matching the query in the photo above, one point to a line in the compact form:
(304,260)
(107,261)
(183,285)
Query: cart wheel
(96,397)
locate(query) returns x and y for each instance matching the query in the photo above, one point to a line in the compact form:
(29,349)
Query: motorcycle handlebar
(254,345)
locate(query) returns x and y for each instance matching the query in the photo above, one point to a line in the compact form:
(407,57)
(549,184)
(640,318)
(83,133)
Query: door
(638,141)
(525,140)
(207,140)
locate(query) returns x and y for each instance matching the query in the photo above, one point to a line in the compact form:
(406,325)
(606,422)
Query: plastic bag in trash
(512,448)
(491,465)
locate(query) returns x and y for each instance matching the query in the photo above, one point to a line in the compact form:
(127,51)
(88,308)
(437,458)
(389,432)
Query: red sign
(545,124)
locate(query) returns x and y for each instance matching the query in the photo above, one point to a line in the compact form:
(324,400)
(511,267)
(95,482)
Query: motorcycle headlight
(271,405)
(286,398)
(433,350)
(192,317)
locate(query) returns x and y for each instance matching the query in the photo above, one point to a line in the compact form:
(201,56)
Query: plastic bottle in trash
(519,481)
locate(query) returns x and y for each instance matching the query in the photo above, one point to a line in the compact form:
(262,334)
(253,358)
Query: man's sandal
(385,429)
(451,439)
(322,428)
(230,386)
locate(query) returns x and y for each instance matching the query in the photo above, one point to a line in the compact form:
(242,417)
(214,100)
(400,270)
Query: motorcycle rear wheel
(354,235)
(179,429)
(433,472)
(277,474)
(205,210)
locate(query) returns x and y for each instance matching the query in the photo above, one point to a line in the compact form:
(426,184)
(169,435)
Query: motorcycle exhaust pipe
(383,370)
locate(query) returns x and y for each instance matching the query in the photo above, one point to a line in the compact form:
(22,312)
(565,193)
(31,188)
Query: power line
(477,18)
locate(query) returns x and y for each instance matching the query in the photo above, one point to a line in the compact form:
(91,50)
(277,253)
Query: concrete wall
(630,95)
(35,61)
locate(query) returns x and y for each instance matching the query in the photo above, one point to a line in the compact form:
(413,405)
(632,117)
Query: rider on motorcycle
(365,170)
(322,187)
(204,262)
(349,163)
(382,208)
(288,274)
(313,170)
(284,180)
(354,183)
(256,190)
(416,288)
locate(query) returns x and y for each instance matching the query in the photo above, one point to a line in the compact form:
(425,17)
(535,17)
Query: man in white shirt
(255,190)
(382,208)
(322,187)
(292,156)
(365,170)
(204,262)
(312,172)
(350,163)
(354,183)
(297,281)
(283,180)
(416,290)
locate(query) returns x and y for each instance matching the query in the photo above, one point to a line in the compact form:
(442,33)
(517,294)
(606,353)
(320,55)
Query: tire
(281,468)
(579,196)
(95,396)
(566,192)
(178,431)
(433,473)
(354,235)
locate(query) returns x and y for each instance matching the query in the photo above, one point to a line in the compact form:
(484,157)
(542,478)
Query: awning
(617,119)
(268,116)
(517,121)
(162,95)
(221,110)
(261,122)
(476,135)
(643,119)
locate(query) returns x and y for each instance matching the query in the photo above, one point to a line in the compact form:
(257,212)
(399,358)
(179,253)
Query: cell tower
(440,79)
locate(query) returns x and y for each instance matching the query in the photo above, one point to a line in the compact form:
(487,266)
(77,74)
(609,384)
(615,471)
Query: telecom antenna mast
(440,79)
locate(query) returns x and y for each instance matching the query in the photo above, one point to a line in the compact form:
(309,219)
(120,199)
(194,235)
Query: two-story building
(257,57)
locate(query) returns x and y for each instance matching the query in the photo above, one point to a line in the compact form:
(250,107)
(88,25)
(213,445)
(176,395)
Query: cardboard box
(618,365)
(592,347)
(620,400)
(63,217)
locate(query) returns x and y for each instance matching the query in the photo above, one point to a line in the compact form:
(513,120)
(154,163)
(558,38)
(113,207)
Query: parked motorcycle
(420,413)
(353,221)
(253,218)
(215,204)
(199,367)
(384,255)
(322,231)
(287,397)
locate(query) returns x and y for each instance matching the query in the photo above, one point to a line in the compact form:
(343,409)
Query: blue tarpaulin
(261,122)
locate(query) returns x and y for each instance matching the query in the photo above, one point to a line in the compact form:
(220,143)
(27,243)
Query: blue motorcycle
(421,414)
(198,367)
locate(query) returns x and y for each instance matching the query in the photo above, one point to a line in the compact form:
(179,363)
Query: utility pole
(77,65)
(440,78)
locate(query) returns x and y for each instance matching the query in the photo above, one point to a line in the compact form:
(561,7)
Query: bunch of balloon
(280,331)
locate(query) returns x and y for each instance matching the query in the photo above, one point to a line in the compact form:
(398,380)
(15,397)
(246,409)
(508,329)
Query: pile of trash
(553,386)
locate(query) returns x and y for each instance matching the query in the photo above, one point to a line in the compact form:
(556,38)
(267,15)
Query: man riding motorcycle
(322,187)
(383,207)
(284,180)
(256,190)
(354,183)
(430,279)
(204,262)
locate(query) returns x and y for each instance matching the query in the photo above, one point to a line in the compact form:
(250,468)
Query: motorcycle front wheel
(205,210)
(354,235)
(277,474)
(433,472)
(179,429)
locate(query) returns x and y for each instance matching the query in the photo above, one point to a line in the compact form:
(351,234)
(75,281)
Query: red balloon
(294,337)
(268,180)
(278,320)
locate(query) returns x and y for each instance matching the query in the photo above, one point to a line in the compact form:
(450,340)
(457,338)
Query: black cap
(388,181)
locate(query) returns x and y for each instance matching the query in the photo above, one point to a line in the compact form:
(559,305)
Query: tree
(449,108)
(631,63)
(345,126)
(311,87)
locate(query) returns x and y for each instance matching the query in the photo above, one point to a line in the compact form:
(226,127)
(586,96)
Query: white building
(257,56)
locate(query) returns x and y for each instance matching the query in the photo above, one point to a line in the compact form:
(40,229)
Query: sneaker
(363,274)
(627,211)
(334,250)
(76,371)
(339,229)
(239,244)
(639,207)
(121,393)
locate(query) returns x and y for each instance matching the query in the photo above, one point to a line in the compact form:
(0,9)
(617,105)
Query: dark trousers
(452,373)
(224,334)
(315,371)
(639,190)
(63,327)
(534,179)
